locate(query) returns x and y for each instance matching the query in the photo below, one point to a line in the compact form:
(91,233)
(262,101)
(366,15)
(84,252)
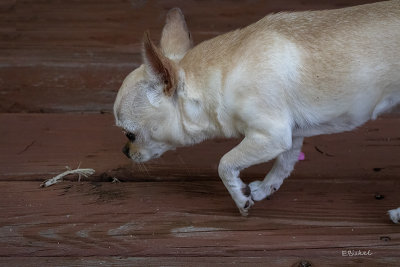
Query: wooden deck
(61,64)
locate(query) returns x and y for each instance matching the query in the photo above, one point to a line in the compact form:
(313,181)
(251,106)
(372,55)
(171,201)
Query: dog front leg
(282,168)
(252,150)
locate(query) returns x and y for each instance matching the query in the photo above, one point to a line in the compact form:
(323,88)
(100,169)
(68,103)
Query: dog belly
(350,120)
(337,125)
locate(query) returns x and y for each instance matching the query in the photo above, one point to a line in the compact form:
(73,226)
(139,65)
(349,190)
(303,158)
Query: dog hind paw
(394,215)
(258,190)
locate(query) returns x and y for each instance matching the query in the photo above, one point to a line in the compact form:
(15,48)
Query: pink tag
(302,156)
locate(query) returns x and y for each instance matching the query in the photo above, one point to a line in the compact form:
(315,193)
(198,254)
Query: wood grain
(72,56)
(197,261)
(177,207)
(39,146)
(306,218)
(61,64)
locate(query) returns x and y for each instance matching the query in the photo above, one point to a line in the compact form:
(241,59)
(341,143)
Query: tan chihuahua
(283,78)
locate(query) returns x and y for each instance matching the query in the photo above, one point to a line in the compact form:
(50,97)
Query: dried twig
(59,178)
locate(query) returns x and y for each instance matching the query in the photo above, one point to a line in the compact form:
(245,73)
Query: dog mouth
(139,157)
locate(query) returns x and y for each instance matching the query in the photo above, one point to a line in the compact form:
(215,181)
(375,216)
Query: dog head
(146,105)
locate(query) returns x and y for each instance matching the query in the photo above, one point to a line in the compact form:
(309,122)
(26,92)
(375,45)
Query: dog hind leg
(394,215)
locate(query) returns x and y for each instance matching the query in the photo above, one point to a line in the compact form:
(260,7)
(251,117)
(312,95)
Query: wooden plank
(39,146)
(49,88)
(305,219)
(197,261)
(113,24)
(34,146)
(73,55)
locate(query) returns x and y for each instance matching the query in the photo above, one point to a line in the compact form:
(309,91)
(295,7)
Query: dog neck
(203,116)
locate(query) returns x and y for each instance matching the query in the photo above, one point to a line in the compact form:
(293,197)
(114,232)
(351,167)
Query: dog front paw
(245,206)
(243,200)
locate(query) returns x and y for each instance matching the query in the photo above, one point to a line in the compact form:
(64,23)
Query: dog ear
(176,39)
(160,66)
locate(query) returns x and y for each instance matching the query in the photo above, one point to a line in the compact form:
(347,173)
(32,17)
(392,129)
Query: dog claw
(245,210)
(247,205)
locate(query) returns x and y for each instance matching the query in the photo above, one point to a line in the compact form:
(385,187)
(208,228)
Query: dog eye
(130,136)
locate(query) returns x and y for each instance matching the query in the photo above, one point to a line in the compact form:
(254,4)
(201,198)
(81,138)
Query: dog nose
(125,150)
